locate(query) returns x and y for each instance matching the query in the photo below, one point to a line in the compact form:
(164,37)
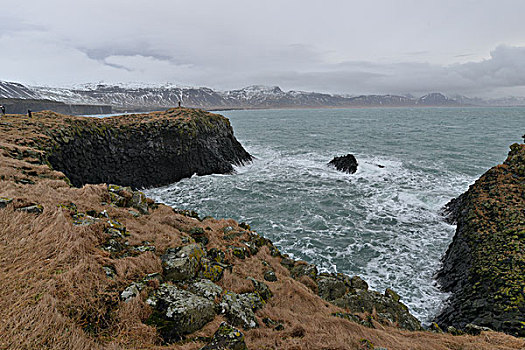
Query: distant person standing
(2,108)
(29,113)
(179,105)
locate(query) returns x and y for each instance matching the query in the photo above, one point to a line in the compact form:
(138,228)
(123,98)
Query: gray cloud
(341,47)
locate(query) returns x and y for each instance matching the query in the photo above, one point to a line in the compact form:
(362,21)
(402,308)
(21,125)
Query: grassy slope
(56,295)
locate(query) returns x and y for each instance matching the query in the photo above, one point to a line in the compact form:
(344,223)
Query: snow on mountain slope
(141,96)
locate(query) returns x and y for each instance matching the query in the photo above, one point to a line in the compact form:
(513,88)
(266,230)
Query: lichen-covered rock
(131,291)
(226,338)
(270,276)
(239,310)
(331,288)
(302,268)
(198,234)
(216,255)
(177,312)
(475,329)
(358,283)
(211,270)
(262,289)
(205,288)
(139,202)
(182,263)
(385,307)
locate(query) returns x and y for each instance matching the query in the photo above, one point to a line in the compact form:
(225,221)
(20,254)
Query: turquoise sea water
(381,223)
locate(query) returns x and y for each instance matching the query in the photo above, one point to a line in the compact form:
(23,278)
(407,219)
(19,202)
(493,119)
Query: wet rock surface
(347,164)
(484,267)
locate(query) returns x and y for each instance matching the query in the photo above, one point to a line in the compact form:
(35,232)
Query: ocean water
(381,223)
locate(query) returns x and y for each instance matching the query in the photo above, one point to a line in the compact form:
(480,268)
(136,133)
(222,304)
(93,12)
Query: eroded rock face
(178,312)
(153,151)
(484,266)
(347,164)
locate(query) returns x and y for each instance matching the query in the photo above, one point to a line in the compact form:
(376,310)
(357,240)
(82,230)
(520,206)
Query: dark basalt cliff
(147,150)
(484,267)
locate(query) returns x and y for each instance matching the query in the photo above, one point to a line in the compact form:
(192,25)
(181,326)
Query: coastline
(77,256)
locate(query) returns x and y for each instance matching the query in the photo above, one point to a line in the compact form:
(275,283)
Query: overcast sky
(476,48)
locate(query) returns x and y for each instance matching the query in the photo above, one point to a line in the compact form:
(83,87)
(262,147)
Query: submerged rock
(347,164)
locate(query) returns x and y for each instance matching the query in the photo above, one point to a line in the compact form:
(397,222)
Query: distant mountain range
(136,98)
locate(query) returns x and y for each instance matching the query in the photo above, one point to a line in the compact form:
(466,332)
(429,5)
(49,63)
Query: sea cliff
(484,266)
(95,266)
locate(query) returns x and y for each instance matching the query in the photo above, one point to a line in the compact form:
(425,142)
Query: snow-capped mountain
(137,97)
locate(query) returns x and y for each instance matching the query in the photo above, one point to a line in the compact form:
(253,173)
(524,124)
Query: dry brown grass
(55,294)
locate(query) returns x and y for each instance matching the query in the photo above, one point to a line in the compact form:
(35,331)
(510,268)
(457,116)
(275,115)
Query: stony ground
(104,267)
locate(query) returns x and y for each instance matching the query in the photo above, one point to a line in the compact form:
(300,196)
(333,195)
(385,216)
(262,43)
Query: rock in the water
(347,164)
(226,338)
(182,263)
(178,312)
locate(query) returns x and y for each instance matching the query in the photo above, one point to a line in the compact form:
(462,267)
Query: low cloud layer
(468,47)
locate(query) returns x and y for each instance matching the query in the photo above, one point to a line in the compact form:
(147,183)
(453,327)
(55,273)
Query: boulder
(386,307)
(4,202)
(239,310)
(270,276)
(330,288)
(33,209)
(177,312)
(182,263)
(205,288)
(139,202)
(347,164)
(226,338)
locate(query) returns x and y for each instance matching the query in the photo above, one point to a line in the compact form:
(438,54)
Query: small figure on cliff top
(3,109)
(29,113)
(179,105)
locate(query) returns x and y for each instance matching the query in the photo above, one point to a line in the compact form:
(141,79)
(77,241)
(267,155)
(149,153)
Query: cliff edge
(484,267)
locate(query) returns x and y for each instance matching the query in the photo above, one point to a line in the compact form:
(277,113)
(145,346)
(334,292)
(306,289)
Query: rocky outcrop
(352,294)
(484,267)
(347,164)
(147,150)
